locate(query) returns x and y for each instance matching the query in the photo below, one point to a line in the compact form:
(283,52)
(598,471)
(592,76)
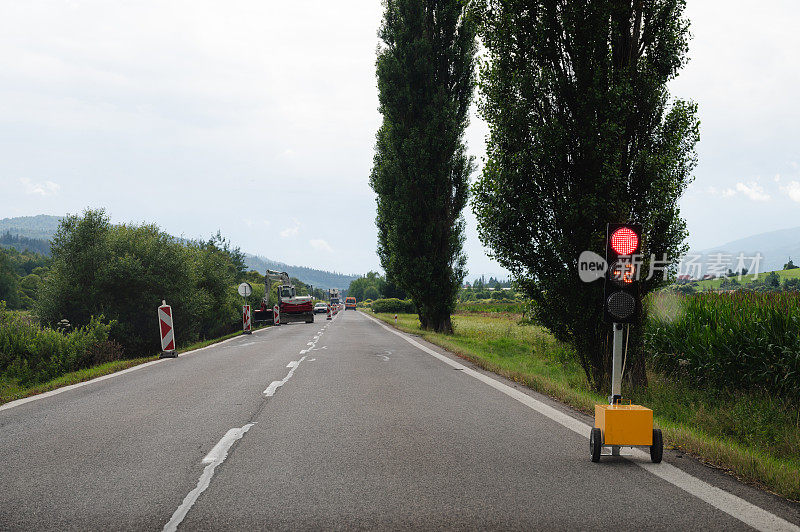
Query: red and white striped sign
(276,313)
(246,318)
(167,332)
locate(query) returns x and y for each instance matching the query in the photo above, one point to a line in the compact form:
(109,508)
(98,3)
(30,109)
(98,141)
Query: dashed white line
(215,457)
(274,385)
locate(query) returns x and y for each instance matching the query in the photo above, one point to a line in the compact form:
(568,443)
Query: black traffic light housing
(621,301)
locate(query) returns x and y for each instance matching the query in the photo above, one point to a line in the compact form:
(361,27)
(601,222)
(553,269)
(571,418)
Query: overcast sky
(259,118)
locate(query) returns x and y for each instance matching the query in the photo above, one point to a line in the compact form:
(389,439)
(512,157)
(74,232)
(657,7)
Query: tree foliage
(9,281)
(582,133)
(425,71)
(374,286)
(123,272)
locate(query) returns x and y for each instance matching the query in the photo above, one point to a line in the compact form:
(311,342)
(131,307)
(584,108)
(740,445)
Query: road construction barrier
(167,331)
(276,315)
(329,313)
(246,323)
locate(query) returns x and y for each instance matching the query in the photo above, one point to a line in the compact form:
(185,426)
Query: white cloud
(48,188)
(291,231)
(792,189)
(752,190)
(320,245)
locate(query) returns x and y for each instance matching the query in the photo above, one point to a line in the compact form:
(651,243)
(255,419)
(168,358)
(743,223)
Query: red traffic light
(624,241)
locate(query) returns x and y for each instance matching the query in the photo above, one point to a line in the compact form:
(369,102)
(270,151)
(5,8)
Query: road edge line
(733,505)
(44,395)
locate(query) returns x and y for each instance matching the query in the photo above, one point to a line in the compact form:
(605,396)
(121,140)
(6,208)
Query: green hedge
(405,306)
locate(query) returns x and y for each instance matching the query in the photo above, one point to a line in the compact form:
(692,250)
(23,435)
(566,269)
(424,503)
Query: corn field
(738,340)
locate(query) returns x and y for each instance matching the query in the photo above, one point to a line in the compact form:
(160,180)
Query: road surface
(343,424)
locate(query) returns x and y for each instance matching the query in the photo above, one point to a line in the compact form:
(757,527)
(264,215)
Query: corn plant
(739,340)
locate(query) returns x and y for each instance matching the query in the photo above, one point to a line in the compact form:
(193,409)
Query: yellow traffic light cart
(616,424)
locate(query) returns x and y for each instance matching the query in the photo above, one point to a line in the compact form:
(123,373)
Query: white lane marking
(220,451)
(736,507)
(20,402)
(291,364)
(311,359)
(274,385)
(215,457)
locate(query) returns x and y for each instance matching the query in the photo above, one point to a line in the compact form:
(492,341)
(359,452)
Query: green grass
(496,307)
(754,436)
(11,390)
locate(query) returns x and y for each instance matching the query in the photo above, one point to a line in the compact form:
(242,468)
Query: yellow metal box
(624,424)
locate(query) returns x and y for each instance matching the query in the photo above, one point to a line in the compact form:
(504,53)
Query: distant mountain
(42,226)
(22,243)
(775,246)
(318,278)
(35,232)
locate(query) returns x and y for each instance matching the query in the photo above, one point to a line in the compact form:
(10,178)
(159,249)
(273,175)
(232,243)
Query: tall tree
(425,71)
(582,133)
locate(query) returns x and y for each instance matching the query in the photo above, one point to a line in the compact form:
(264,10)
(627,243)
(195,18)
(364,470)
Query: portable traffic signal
(623,245)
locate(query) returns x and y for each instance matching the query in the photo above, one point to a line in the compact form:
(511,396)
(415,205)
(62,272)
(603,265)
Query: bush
(403,306)
(734,341)
(125,271)
(32,354)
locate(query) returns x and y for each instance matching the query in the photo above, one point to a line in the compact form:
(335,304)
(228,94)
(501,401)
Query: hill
(35,232)
(41,227)
(22,243)
(775,246)
(715,284)
(318,278)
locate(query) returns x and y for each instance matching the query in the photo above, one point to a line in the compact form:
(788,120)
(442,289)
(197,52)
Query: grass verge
(754,437)
(10,390)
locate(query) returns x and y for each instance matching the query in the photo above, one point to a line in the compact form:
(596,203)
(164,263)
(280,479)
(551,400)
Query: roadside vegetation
(12,389)
(92,306)
(752,432)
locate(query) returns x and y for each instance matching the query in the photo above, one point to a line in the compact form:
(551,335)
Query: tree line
(582,132)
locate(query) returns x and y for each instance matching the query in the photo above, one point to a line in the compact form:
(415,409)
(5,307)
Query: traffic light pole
(616,362)
(616,375)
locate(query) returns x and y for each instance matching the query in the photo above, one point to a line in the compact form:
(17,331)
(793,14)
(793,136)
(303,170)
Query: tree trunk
(443,324)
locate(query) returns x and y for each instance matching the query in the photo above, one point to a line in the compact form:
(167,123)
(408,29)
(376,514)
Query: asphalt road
(342,424)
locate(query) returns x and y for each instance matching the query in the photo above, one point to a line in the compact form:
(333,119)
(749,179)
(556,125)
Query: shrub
(125,271)
(403,306)
(32,354)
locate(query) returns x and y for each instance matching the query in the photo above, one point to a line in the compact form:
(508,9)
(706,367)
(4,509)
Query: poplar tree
(425,71)
(583,132)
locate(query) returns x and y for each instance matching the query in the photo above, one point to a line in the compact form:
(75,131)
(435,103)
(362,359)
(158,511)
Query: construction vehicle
(333,296)
(291,307)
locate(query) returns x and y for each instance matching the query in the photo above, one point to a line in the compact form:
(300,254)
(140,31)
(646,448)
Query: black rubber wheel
(657,449)
(595,444)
